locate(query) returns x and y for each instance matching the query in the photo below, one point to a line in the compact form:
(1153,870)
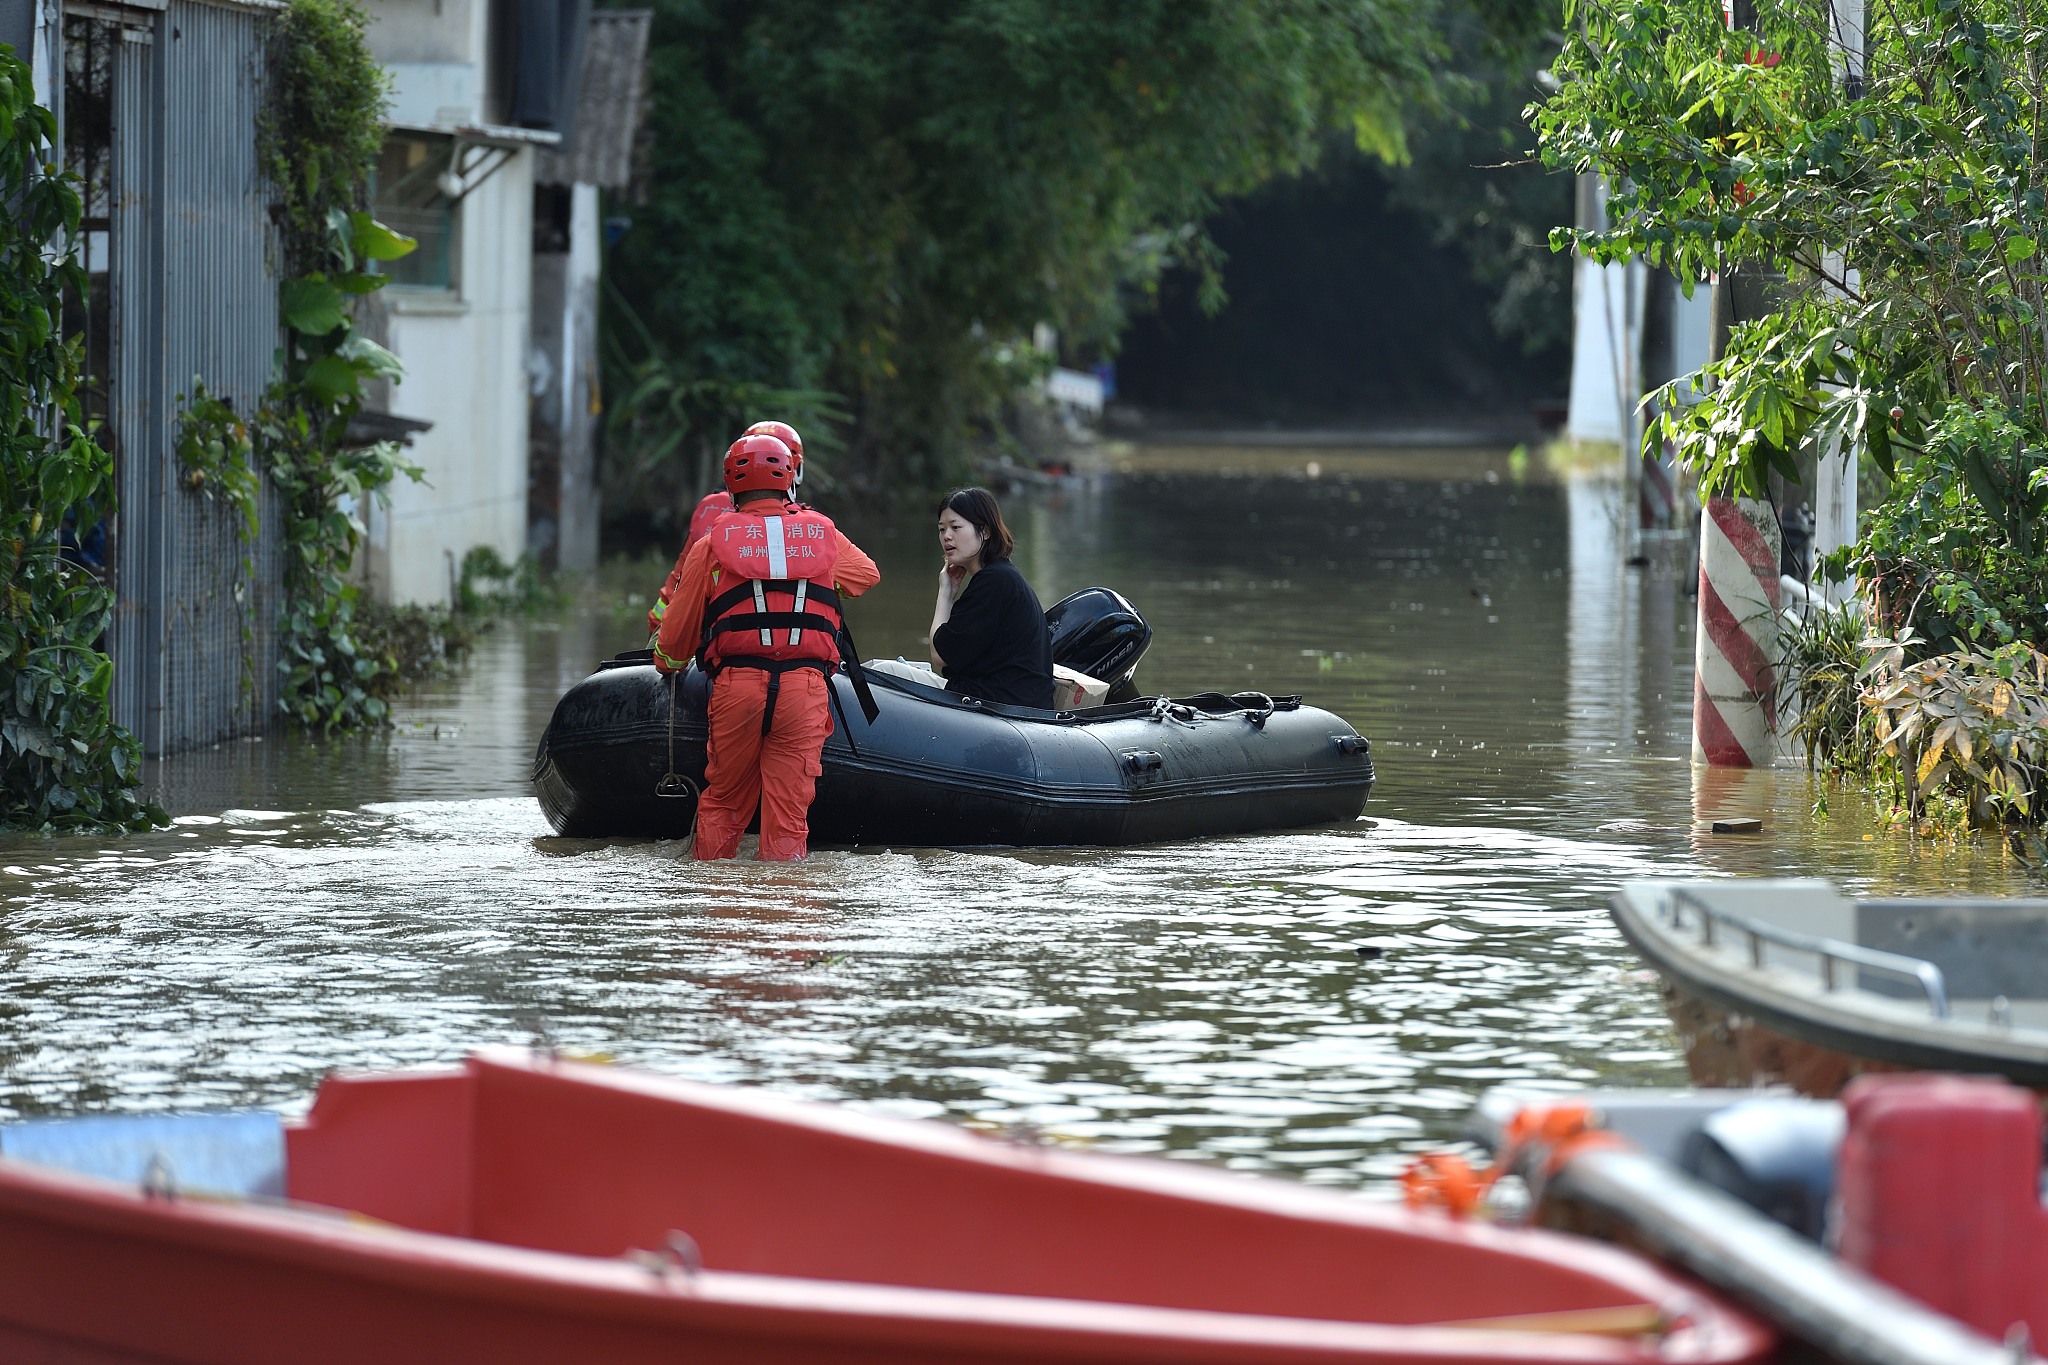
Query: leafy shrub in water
(1821,680)
(409,643)
(64,764)
(1973,723)
(1964,731)
(490,586)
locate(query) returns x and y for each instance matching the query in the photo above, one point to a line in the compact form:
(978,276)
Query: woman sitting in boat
(988,632)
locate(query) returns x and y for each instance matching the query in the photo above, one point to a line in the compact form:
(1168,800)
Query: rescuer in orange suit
(709,506)
(758,603)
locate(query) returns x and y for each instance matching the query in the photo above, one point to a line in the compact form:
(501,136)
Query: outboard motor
(1776,1154)
(1100,633)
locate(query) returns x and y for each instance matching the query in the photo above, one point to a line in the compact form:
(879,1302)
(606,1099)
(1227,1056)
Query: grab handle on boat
(673,784)
(1140,761)
(684,1253)
(680,1253)
(1829,951)
(1352,744)
(158,1182)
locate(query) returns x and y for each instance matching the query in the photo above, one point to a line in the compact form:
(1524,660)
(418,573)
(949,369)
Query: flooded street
(397,898)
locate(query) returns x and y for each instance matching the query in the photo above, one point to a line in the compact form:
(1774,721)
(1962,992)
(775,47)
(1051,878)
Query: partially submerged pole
(1735,679)
(1735,648)
(1735,676)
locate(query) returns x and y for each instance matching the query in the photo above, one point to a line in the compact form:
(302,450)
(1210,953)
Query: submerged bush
(1972,724)
(1963,732)
(1820,679)
(409,643)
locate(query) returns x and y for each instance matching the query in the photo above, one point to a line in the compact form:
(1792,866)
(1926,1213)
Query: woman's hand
(950,579)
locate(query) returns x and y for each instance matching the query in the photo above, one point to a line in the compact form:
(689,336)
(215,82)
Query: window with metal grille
(409,198)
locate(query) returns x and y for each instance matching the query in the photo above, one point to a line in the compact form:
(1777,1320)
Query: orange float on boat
(522,1209)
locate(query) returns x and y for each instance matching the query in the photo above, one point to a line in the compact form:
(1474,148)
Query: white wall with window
(456,312)
(462,337)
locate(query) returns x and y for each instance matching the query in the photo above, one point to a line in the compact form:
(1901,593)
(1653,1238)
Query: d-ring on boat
(624,755)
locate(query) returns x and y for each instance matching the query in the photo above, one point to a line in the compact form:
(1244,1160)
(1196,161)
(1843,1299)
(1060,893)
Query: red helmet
(785,433)
(781,431)
(759,462)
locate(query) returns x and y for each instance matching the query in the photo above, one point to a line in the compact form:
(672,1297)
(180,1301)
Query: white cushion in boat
(902,668)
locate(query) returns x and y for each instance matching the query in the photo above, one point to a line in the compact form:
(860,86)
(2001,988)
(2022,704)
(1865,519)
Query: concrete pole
(1734,705)
(1834,513)
(1735,648)
(1631,375)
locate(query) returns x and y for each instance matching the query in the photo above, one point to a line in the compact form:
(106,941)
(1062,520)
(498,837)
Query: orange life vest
(773,604)
(707,510)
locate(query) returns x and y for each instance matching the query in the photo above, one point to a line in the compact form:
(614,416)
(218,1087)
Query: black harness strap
(858,676)
(751,590)
(839,708)
(818,594)
(769,620)
(774,668)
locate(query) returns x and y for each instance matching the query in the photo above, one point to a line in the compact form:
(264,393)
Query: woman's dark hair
(978,508)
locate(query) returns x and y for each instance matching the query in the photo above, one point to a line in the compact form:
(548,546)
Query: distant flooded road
(397,898)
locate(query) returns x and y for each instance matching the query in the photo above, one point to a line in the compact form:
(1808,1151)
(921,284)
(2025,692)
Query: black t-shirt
(995,644)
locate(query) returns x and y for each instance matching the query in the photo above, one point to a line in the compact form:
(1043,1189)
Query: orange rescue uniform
(743,767)
(707,510)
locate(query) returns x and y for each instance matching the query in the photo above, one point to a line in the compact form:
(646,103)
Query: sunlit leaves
(1973,720)
(1906,225)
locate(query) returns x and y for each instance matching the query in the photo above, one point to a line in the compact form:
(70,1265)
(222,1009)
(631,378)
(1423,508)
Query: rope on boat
(673,784)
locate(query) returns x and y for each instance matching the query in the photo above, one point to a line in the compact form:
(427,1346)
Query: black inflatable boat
(624,755)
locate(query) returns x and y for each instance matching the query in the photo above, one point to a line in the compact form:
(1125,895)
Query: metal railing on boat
(1829,951)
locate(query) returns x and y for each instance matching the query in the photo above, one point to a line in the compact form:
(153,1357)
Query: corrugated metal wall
(220,312)
(198,302)
(135,417)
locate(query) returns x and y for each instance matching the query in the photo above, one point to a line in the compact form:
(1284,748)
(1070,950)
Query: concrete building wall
(407,31)
(17,29)
(465,359)
(564,509)
(34,28)
(464,346)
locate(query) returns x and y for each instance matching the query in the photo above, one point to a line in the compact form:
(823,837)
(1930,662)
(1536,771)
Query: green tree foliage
(876,199)
(1473,175)
(1906,220)
(64,764)
(324,123)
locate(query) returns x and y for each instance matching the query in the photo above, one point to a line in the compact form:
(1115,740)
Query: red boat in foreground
(522,1209)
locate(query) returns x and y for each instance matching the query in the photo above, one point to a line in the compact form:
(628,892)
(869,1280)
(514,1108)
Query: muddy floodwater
(397,899)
